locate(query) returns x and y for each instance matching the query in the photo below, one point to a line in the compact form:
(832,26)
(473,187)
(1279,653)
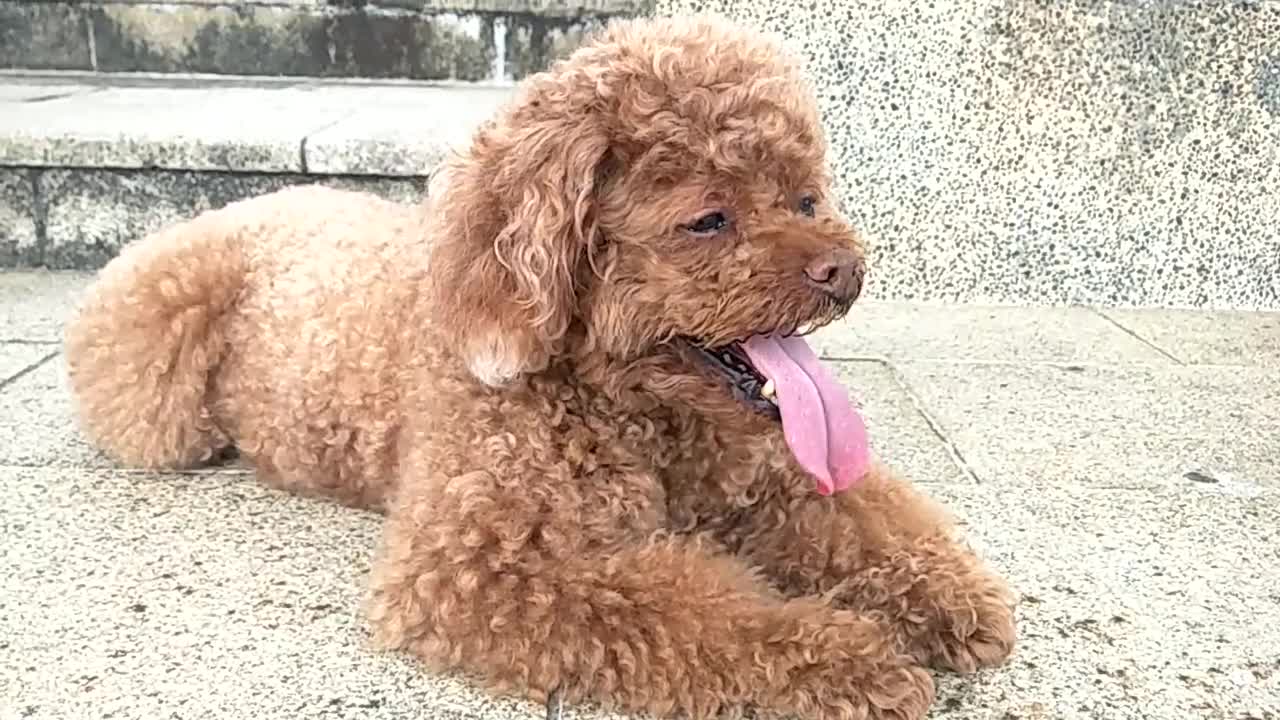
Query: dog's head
(662,192)
(666,182)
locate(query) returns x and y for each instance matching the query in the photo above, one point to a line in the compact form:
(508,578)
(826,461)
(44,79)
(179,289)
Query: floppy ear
(513,223)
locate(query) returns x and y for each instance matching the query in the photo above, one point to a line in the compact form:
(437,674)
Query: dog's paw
(863,688)
(977,631)
(905,693)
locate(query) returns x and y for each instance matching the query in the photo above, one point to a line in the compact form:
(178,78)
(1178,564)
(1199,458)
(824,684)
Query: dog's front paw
(847,671)
(864,692)
(904,693)
(974,630)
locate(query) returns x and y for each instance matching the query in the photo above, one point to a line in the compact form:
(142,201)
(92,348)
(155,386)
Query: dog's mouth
(746,383)
(781,377)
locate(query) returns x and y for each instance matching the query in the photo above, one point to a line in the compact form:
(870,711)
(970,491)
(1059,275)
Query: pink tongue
(825,433)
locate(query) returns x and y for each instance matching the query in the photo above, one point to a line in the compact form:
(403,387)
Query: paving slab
(37,425)
(18,357)
(901,436)
(1134,605)
(1206,337)
(1026,426)
(197,596)
(1133,502)
(921,331)
(1153,604)
(35,305)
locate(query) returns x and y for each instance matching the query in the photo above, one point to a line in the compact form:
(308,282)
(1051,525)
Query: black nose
(837,273)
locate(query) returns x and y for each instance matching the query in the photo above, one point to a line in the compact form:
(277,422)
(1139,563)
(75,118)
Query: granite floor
(1119,466)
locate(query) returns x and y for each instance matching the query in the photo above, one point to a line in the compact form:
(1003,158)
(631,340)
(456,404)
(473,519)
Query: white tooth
(768,391)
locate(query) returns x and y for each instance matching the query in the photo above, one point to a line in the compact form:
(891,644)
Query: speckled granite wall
(1063,151)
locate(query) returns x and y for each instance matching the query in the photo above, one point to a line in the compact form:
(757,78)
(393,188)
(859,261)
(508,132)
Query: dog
(575,380)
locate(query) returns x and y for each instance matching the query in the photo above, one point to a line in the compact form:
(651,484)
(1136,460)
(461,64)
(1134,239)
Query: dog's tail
(145,339)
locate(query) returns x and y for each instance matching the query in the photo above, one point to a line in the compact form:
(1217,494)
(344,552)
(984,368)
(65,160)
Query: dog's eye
(809,205)
(708,224)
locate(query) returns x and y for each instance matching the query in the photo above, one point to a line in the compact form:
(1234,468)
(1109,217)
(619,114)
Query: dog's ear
(515,219)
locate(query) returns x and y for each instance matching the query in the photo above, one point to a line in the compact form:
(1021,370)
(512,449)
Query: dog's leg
(472,578)
(885,549)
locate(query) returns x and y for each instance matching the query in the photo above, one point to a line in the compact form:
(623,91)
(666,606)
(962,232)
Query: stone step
(90,162)
(416,39)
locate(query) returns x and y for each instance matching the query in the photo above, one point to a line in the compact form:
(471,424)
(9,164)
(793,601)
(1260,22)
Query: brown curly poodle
(575,381)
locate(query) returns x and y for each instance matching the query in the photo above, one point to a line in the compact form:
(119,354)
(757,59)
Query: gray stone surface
(296,40)
(149,596)
(37,426)
(91,214)
(181,127)
(45,36)
(993,152)
(41,87)
(303,3)
(1206,337)
(541,8)
(34,305)
(15,358)
(1145,594)
(19,239)
(1135,605)
(901,435)
(398,129)
(547,8)
(532,43)
(1120,153)
(421,39)
(915,331)
(399,132)
(1028,426)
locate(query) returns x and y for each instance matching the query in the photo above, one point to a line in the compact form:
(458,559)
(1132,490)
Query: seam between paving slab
(953,451)
(29,341)
(555,705)
(28,369)
(1100,313)
(917,404)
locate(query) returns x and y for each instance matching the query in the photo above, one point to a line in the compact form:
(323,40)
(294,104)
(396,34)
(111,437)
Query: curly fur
(573,501)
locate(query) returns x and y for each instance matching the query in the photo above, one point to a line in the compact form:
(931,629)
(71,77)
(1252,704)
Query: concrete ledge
(88,165)
(236,125)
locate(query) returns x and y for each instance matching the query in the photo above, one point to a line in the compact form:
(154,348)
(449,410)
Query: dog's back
(279,321)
